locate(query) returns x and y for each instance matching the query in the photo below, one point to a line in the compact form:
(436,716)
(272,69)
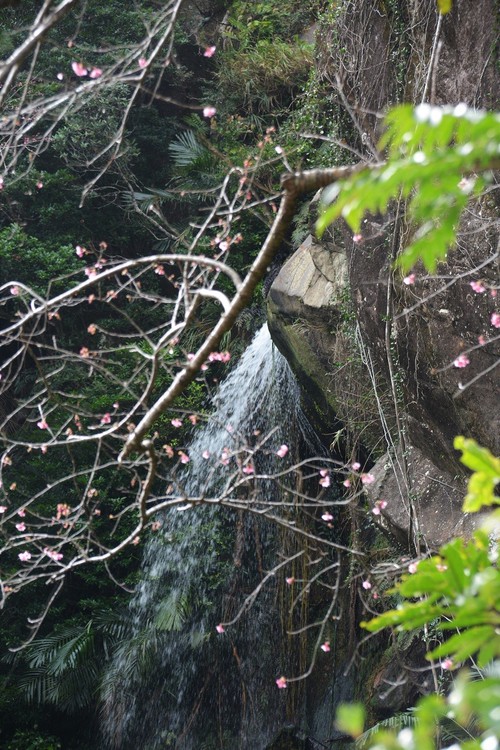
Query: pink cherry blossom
(366,585)
(220,628)
(60,76)
(3,508)
(325,647)
(290,580)
(379,505)
(278,150)
(14,290)
(478,287)
(281,683)
(184,457)
(143,63)
(209,52)
(357,238)
(481,340)
(346,482)
(205,454)
(176,422)
(80,251)
(412,567)
(95,73)
(447,664)
(193,419)
(21,526)
(106,419)
(367,478)
(84,352)
(169,450)
(42,425)
(24,556)
(327,516)
(409,280)
(21,512)
(39,185)
(92,329)
(209,111)
(219,357)
(356,466)
(325,482)
(248,469)
(79,69)
(1,183)
(462,361)
(53,554)
(495,319)
(282,451)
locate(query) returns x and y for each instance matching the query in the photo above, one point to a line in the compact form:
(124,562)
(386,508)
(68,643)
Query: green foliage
(461,588)
(36,263)
(440,720)
(264,77)
(350,718)
(85,135)
(457,590)
(444,6)
(485,478)
(250,22)
(429,151)
(64,669)
(32,740)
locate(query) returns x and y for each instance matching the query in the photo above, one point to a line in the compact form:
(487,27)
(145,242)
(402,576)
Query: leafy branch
(434,157)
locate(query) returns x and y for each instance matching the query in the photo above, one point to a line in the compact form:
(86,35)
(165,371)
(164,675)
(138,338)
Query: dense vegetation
(249,102)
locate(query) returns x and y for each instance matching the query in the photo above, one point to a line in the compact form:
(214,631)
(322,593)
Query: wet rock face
(436,497)
(303,320)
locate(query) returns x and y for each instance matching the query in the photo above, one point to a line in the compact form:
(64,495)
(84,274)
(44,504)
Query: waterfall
(176,682)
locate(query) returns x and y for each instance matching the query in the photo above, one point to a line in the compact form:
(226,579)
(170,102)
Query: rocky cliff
(375,355)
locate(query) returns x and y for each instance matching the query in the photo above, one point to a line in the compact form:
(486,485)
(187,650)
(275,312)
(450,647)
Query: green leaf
(444,6)
(486,476)
(430,149)
(350,718)
(462,645)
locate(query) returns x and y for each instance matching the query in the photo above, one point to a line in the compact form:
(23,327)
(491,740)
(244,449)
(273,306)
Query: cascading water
(176,682)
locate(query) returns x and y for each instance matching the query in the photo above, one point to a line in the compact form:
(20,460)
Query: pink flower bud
(79,69)
(461,361)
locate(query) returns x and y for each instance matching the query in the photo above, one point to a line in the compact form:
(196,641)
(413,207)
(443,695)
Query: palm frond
(172,612)
(186,149)
(397,722)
